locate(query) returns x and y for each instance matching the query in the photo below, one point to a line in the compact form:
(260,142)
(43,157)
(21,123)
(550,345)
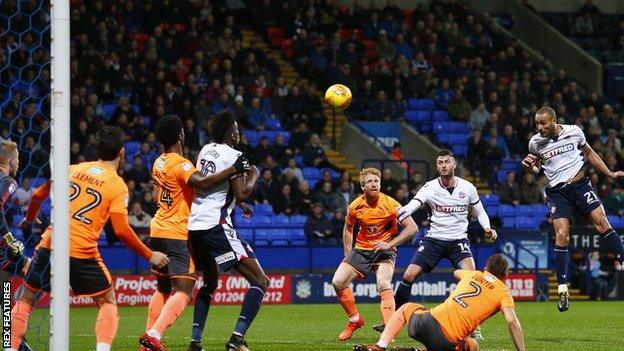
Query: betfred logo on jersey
(451,208)
(557,151)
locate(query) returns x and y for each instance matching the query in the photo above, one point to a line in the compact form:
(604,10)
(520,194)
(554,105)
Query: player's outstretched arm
(484,220)
(242,186)
(599,164)
(126,234)
(38,197)
(411,207)
(514,327)
(199,181)
(409,230)
(347,238)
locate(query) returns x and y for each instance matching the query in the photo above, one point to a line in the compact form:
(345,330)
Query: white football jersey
(209,209)
(561,159)
(449,210)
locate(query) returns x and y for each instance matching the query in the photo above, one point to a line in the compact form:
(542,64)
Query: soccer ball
(338,97)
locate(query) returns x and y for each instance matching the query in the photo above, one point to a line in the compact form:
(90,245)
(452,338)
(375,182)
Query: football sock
(251,306)
(387,305)
(347,301)
(155,307)
(200,313)
(562,261)
(614,244)
(396,322)
(19,322)
(102,347)
(403,293)
(106,324)
(171,311)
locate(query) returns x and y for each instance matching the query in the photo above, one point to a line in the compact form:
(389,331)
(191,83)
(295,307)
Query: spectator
(476,146)
(511,140)
(599,277)
(490,160)
(383,47)
(325,178)
(148,204)
(306,197)
(314,155)
(444,94)
(389,185)
(286,202)
(415,183)
(458,108)
(614,204)
(22,195)
(299,137)
(529,190)
(139,221)
(397,154)
(318,228)
(262,150)
(338,222)
(292,165)
(343,196)
(510,191)
(138,173)
(325,196)
(265,188)
(478,117)
(258,116)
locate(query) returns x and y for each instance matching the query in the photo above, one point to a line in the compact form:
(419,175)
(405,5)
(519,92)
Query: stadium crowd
(151,58)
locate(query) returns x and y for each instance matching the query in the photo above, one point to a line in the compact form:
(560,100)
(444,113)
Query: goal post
(59,164)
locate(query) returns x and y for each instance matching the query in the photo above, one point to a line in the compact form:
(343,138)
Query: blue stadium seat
(540,210)
(108,111)
(132,147)
(492,210)
(418,117)
(460,127)
(278,237)
(37,182)
(246,233)
(501,176)
(443,138)
(510,165)
(412,104)
(490,199)
(524,222)
(458,138)
(274,124)
(262,237)
(280,221)
(297,237)
(297,221)
(286,136)
(506,211)
(148,121)
(460,150)
(260,221)
(524,210)
(440,116)
(270,134)
(263,210)
(311,172)
(442,127)
(425,104)
(241,222)
(509,222)
(299,161)
(615,221)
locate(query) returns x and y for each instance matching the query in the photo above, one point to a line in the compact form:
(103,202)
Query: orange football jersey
(478,296)
(171,172)
(95,191)
(377,222)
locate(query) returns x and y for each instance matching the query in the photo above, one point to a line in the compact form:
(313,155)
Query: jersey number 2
(80,214)
(460,298)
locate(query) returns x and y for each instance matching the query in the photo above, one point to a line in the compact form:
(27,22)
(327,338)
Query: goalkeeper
(12,258)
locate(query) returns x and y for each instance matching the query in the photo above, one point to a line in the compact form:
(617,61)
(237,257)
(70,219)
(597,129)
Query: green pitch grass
(587,326)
